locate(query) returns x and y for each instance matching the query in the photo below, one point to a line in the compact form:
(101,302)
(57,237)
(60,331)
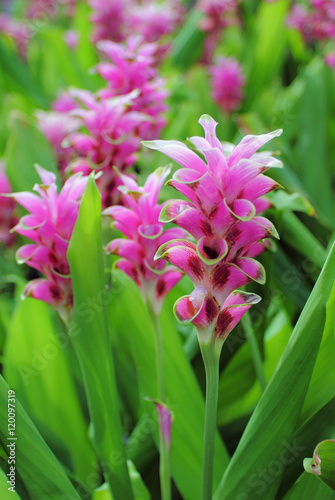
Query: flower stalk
(211,358)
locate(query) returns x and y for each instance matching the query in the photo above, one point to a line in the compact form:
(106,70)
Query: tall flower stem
(164,441)
(254,348)
(211,361)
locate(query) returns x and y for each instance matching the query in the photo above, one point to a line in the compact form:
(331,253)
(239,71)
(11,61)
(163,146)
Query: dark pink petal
(206,192)
(244,234)
(129,269)
(164,422)
(125,219)
(211,249)
(243,209)
(252,269)
(262,204)
(44,290)
(166,282)
(30,202)
(185,215)
(180,153)
(183,254)
(235,306)
(249,145)
(196,308)
(183,189)
(221,218)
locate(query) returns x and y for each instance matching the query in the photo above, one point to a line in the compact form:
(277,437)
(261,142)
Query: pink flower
(144,234)
(153,20)
(17,31)
(218,14)
(224,197)
(109,18)
(316,23)
(7,209)
(71,38)
(132,67)
(227,82)
(49,224)
(109,137)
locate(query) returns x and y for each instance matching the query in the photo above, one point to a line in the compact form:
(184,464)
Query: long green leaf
(90,338)
(38,468)
(279,408)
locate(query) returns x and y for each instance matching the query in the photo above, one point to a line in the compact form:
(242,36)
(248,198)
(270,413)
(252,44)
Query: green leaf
(26,147)
(38,468)
(39,372)
(188,44)
(132,324)
(279,408)
(322,465)
(5,493)
(295,202)
(141,492)
(89,334)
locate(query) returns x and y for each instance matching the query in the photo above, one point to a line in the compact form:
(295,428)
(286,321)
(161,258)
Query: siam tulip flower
(109,138)
(225,195)
(132,67)
(138,222)
(16,31)
(49,225)
(7,209)
(49,9)
(227,82)
(315,23)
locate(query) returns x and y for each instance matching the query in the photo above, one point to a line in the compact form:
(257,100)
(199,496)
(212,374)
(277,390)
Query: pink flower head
(109,18)
(7,209)
(132,67)
(330,60)
(109,138)
(315,23)
(224,197)
(144,234)
(218,14)
(227,82)
(153,20)
(16,31)
(49,9)
(49,225)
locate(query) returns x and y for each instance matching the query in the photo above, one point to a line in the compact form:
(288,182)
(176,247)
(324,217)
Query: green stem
(164,446)
(254,348)
(211,361)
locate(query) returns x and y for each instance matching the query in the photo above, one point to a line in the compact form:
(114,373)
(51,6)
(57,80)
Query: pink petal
(180,153)
(44,290)
(166,282)
(236,305)
(244,234)
(30,202)
(47,177)
(129,269)
(209,125)
(201,313)
(125,219)
(127,249)
(183,254)
(249,145)
(211,250)
(185,215)
(243,209)
(258,187)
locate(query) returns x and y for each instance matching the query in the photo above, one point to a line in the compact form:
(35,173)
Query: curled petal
(44,290)
(166,282)
(48,178)
(199,309)
(244,234)
(180,153)
(209,125)
(125,219)
(150,231)
(242,209)
(211,250)
(185,215)
(129,269)
(235,306)
(183,254)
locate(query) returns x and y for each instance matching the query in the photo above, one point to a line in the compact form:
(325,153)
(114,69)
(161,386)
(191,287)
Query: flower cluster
(317,23)
(138,222)
(7,209)
(132,67)
(114,20)
(42,9)
(225,194)
(218,14)
(16,31)
(49,225)
(227,81)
